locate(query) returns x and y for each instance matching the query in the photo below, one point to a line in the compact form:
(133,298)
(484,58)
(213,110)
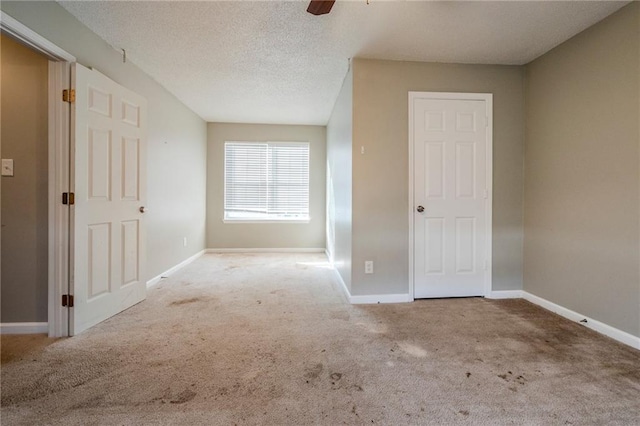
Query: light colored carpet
(270,339)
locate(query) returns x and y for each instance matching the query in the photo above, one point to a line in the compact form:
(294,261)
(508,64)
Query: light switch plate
(7,167)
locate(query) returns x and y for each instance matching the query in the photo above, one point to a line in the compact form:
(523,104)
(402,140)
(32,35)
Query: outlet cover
(368,267)
(7,167)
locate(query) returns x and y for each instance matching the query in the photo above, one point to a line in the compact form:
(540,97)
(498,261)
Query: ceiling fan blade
(320,7)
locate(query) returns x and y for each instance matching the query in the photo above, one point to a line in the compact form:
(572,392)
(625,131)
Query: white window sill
(283,221)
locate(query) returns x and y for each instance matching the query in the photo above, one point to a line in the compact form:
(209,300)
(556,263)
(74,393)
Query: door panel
(465,243)
(434,236)
(130,249)
(99,164)
(435,173)
(130,168)
(465,170)
(109,185)
(99,261)
(451,183)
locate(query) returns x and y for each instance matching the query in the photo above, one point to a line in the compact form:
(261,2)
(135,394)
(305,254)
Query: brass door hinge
(69,95)
(67,300)
(68,198)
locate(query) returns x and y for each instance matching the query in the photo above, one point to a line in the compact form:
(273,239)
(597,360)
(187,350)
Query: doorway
(94,264)
(24,208)
(56,223)
(450,148)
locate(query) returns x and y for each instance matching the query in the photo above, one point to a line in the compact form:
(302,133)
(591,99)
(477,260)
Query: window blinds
(266,180)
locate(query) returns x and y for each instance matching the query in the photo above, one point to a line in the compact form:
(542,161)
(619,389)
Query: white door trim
(59,167)
(488,98)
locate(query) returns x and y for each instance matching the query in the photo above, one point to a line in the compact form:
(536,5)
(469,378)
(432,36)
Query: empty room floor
(270,339)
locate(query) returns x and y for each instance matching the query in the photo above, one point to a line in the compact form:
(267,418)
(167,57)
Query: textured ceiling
(272,62)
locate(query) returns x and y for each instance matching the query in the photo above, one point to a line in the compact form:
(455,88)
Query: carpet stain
(187,301)
(464,412)
(314,372)
(509,377)
(184,396)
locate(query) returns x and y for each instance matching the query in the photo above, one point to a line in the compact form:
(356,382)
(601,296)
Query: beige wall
(265,235)
(380,176)
(339,167)
(582,173)
(25,195)
(176,155)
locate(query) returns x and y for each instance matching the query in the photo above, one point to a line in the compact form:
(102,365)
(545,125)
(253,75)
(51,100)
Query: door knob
(420,209)
(141,209)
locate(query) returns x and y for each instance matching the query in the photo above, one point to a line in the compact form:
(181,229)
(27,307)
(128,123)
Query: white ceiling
(272,62)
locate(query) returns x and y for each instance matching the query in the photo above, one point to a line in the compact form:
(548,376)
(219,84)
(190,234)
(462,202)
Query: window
(266,181)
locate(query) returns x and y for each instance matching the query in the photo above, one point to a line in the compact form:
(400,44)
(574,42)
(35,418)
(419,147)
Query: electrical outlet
(184,241)
(368,267)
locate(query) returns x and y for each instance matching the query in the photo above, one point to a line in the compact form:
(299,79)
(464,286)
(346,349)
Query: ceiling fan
(320,7)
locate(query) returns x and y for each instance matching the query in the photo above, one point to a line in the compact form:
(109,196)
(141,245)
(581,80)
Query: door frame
(488,99)
(59,165)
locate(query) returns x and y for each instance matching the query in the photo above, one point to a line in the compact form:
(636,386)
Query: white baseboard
(155,280)
(602,328)
(265,250)
(24,328)
(380,298)
(505,294)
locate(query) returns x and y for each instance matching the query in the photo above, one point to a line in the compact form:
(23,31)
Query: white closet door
(450,194)
(109,152)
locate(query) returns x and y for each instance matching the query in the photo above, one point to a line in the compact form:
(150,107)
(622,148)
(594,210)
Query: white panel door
(450,197)
(109,185)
